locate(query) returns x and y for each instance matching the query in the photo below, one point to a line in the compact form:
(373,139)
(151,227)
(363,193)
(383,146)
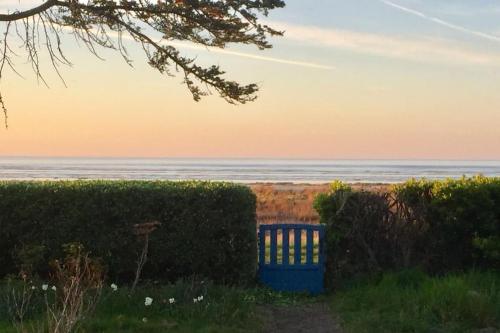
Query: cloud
(414,49)
(442,22)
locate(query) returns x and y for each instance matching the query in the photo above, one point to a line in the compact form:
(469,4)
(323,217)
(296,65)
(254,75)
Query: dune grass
(413,302)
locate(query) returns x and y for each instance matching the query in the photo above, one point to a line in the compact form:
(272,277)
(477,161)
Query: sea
(240,170)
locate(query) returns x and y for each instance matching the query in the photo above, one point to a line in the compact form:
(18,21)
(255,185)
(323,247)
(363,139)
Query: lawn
(182,307)
(408,301)
(413,302)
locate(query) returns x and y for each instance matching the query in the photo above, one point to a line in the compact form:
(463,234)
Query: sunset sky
(363,79)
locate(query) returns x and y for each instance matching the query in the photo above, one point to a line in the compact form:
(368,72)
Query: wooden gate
(292,257)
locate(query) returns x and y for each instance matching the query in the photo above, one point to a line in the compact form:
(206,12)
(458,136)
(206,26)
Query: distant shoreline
(245,171)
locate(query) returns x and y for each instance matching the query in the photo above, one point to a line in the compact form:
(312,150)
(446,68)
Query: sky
(363,79)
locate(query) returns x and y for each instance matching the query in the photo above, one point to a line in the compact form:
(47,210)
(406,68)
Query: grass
(223,309)
(413,302)
(408,301)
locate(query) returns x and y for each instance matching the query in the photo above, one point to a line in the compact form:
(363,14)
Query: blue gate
(292,257)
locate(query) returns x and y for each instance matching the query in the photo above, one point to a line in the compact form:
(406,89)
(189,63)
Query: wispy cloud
(414,49)
(442,22)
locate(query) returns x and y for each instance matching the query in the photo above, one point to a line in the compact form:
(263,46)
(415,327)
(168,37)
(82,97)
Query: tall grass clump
(453,303)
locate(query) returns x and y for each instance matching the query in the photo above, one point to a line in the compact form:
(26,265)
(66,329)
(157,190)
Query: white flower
(144,320)
(148,301)
(114,287)
(45,287)
(200,298)
(171,300)
(195,300)
(54,288)
(33,287)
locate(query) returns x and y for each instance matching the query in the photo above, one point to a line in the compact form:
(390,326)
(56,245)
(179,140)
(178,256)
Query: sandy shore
(293,203)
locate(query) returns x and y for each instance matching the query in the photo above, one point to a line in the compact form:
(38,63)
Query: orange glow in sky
(328,90)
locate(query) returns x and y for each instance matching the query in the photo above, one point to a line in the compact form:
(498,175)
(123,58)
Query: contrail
(243,54)
(253,56)
(442,22)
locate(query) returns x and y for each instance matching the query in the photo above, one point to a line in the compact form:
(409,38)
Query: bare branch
(16,16)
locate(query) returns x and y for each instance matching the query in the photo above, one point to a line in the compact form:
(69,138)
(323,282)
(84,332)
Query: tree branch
(16,16)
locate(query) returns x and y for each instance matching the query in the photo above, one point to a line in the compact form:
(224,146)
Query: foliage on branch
(150,23)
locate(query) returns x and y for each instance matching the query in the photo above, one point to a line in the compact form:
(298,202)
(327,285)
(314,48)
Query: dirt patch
(316,318)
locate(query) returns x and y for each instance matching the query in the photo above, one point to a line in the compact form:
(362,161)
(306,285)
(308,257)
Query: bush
(357,232)
(207,229)
(462,221)
(438,226)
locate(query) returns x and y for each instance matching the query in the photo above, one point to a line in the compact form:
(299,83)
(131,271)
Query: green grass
(397,302)
(223,309)
(413,302)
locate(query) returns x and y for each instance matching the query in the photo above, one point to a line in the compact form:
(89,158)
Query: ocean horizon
(240,170)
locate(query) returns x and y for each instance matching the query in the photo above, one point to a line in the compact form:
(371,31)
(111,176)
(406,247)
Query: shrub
(462,221)
(358,235)
(438,226)
(207,229)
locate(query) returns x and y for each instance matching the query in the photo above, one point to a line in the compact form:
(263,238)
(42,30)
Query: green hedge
(208,229)
(462,221)
(438,226)
(357,232)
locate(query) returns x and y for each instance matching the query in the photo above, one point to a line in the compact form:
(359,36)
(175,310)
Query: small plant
(142,231)
(19,300)
(58,307)
(79,280)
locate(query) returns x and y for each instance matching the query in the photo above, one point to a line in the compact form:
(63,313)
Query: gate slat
(262,245)
(310,248)
(297,246)
(285,246)
(274,252)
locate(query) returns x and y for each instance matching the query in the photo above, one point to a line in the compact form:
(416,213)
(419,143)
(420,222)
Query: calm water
(241,170)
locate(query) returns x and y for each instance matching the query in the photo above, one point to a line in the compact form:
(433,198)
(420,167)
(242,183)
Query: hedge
(438,226)
(462,221)
(207,229)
